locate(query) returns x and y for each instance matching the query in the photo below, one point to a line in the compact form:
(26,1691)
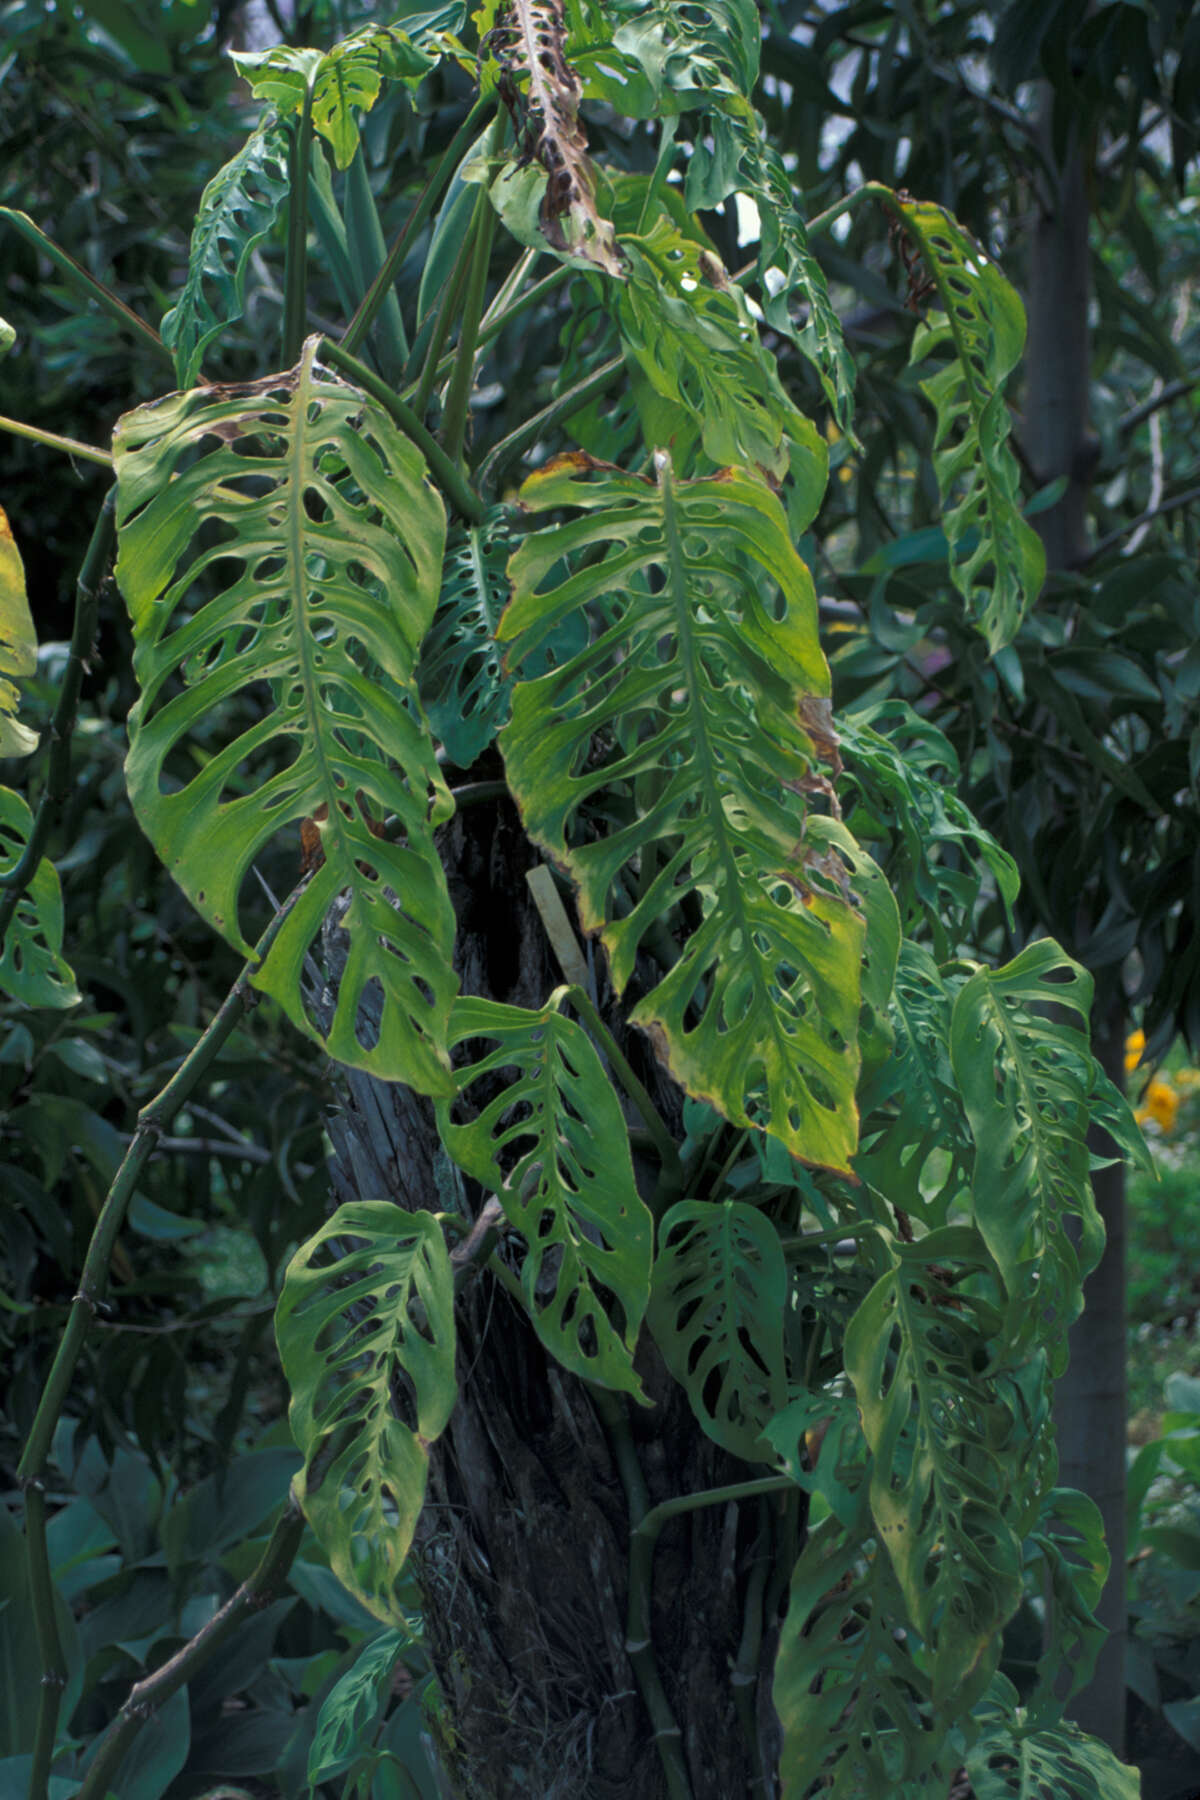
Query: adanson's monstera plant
(780,1175)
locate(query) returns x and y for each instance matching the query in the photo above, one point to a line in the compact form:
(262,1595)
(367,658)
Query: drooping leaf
(918,1352)
(916,1146)
(543,92)
(681,717)
(997,561)
(716,1311)
(365,1327)
(32,970)
(851,1689)
(552,1144)
(1067,1564)
(1025,1075)
(238,209)
(463,686)
(323,541)
(18,644)
(689,331)
(1014,1760)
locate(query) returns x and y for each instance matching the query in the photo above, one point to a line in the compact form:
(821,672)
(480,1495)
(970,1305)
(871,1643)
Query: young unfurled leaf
(552,1144)
(919,1354)
(463,687)
(543,92)
(323,541)
(365,1326)
(996,558)
(32,970)
(1026,1075)
(719,1297)
(18,644)
(237,209)
(681,719)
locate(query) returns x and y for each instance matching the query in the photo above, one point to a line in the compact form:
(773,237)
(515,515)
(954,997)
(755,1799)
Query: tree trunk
(1090,1399)
(522,1556)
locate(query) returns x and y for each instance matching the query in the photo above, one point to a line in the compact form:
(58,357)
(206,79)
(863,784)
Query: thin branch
(518,441)
(53,441)
(147,1696)
(1170,505)
(82,278)
(1164,396)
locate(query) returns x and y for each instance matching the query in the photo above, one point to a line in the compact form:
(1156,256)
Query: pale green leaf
(32,970)
(918,1353)
(18,644)
(1012,1760)
(280,551)
(551,1143)
(365,1327)
(716,1312)
(238,209)
(996,558)
(683,718)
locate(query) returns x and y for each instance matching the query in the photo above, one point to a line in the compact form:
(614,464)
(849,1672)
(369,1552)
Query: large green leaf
(463,687)
(996,558)
(1011,1760)
(918,1352)
(552,1144)
(851,1689)
(237,210)
(32,970)
(716,1311)
(18,644)
(365,1326)
(305,517)
(1026,1074)
(680,723)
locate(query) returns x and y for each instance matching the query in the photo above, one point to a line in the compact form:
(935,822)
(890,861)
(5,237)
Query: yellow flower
(1135,1043)
(1161,1103)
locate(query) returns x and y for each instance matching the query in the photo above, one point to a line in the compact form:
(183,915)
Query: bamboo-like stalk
(81,278)
(14,881)
(53,441)
(147,1696)
(153,1120)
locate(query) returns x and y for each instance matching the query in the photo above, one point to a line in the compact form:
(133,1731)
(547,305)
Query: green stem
(466,501)
(744,1675)
(656,1125)
(431,368)
(571,402)
(508,1281)
(652,1522)
(149,1695)
(730,1164)
(14,881)
(51,439)
(496,318)
(104,297)
(54,1666)
(295,278)
(850,203)
(639,1645)
(454,420)
(153,1120)
(364,318)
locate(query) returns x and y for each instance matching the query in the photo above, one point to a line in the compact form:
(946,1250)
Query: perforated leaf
(550,1141)
(1025,1076)
(916,1145)
(280,551)
(1067,1564)
(716,1311)
(463,686)
(690,332)
(237,210)
(851,1689)
(681,719)
(18,644)
(365,1327)
(351,1707)
(996,559)
(32,970)
(918,1351)
(1012,1761)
